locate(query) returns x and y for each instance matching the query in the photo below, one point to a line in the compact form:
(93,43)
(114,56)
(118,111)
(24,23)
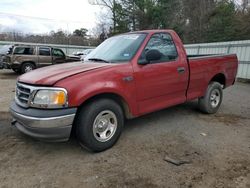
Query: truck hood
(50,75)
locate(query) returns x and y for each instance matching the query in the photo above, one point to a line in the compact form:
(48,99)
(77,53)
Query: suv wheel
(27,67)
(99,124)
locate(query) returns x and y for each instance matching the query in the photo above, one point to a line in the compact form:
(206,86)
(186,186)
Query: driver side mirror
(151,55)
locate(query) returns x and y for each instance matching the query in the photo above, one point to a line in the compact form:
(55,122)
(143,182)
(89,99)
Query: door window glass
(58,53)
(164,43)
(44,51)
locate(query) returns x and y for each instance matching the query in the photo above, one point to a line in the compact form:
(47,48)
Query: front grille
(23,93)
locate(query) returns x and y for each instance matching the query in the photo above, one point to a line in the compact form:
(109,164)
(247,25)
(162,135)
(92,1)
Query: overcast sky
(26,15)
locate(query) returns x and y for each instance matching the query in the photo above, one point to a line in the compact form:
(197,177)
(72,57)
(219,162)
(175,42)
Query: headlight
(50,98)
(16,62)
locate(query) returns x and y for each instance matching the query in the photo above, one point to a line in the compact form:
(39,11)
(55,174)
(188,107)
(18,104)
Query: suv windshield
(117,49)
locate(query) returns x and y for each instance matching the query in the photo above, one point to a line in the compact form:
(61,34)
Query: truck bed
(203,67)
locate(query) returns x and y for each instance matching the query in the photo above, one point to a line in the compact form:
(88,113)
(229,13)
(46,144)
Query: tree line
(77,37)
(195,21)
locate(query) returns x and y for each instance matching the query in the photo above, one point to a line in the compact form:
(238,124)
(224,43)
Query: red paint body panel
(50,75)
(202,70)
(108,79)
(153,86)
(160,85)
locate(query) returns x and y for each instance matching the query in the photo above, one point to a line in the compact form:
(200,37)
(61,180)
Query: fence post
(228,48)
(198,50)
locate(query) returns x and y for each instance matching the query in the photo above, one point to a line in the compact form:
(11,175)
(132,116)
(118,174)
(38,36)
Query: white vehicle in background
(77,53)
(85,53)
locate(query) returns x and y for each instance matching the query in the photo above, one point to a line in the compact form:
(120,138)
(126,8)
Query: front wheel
(27,67)
(211,102)
(99,124)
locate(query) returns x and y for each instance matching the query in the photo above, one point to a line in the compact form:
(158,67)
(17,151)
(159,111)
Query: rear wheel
(211,102)
(99,124)
(27,67)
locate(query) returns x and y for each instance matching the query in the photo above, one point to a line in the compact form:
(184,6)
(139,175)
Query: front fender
(84,86)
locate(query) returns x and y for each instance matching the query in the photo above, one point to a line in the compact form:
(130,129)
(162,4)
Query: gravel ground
(217,147)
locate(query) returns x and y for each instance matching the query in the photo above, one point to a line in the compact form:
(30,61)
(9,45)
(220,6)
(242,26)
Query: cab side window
(164,43)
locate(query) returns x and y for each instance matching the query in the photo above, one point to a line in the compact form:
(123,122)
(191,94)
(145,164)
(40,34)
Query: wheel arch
(32,62)
(113,96)
(220,77)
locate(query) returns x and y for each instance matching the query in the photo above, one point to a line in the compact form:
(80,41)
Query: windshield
(117,49)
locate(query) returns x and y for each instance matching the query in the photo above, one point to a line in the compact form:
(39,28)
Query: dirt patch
(227,119)
(5,116)
(219,159)
(125,180)
(8,74)
(243,80)
(235,175)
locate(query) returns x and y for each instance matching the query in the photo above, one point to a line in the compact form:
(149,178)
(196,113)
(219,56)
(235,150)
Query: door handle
(128,78)
(181,70)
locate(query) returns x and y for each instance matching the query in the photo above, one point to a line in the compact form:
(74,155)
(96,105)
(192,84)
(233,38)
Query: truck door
(161,83)
(44,56)
(58,56)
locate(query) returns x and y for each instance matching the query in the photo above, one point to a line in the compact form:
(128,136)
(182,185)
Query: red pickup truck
(127,76)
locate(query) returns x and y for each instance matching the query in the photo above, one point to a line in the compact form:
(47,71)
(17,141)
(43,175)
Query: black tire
(211,102)
(27,67)
(92,112)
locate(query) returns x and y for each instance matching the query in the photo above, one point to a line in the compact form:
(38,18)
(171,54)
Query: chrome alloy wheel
(215,98)
(105,125)
(28,68)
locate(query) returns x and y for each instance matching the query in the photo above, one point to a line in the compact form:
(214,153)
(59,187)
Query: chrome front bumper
(50,125)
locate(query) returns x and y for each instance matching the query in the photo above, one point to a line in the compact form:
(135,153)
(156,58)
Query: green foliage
(194,20)
(222,23)
(242,26)
(80,32)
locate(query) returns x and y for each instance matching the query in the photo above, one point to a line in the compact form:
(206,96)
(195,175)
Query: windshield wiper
(99,59)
